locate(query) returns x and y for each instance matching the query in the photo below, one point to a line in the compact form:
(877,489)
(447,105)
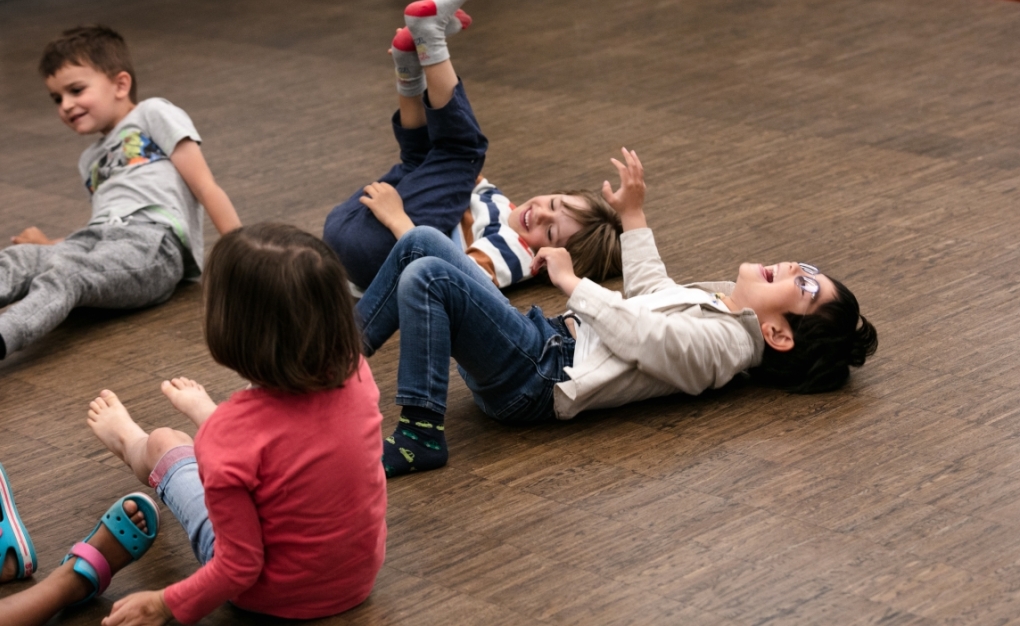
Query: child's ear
(123,81)
(778,337)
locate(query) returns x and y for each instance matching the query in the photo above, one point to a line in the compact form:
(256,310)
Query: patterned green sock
(417,445)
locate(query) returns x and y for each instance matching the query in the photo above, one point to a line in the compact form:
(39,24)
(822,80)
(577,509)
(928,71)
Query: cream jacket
(685,343)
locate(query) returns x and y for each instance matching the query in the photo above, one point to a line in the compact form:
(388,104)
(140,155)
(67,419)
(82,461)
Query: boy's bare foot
(189,398)
(34,235)
(112,424)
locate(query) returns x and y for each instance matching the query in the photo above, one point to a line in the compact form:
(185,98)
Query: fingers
(620,167)
(542,259)
(607,191)
(633,166)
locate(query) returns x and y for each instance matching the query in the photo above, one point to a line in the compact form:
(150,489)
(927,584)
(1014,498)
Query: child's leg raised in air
(64,587)
(435,185)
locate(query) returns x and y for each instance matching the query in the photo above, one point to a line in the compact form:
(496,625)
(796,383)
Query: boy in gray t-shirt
(147,180)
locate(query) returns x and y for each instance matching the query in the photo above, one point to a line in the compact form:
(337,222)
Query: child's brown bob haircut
(595,249)
(277,310)
(99,46)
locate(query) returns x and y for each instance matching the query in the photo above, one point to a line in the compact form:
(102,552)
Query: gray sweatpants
(108,266)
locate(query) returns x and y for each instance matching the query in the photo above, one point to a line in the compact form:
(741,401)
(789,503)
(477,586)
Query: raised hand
(629,199)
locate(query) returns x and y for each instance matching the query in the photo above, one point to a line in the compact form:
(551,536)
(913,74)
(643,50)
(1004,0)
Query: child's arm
(386,205)
(643,270)
(629,200)
(187,158)
(34,235)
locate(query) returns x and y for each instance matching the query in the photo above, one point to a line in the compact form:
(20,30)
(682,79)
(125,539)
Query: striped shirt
(486,237)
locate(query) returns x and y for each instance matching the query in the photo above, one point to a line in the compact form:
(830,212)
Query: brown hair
(595,249)
(99,46)
(277,309)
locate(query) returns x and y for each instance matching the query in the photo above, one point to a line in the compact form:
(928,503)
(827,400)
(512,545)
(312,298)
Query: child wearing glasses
(789,325)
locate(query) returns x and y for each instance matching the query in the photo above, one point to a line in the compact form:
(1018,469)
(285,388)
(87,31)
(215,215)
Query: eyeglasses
(808,284)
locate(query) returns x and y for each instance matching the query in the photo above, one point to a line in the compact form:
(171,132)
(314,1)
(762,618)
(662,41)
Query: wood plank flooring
(876,139)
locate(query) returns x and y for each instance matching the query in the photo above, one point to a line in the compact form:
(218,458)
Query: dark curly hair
(826,344)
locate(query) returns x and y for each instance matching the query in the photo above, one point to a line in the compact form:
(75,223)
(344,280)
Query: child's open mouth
(767,273)
(526,219)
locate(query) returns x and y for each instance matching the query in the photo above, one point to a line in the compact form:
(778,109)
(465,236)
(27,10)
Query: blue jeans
(438,166)
(445,305)
(182,492)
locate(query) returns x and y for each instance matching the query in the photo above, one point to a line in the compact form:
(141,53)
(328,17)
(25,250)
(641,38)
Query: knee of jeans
(162,440)
(419,274)
(423,238)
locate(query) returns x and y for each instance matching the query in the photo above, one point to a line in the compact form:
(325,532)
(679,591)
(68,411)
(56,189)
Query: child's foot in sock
(189,398)
(417,445)
(410,77)
(429,22)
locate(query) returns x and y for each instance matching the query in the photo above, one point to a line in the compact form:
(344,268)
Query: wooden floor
(879,140)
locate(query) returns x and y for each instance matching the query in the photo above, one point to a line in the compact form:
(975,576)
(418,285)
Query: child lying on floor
(788,324)
(442,150)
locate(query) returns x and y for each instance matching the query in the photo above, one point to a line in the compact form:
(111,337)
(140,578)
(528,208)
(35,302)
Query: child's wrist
(167,613)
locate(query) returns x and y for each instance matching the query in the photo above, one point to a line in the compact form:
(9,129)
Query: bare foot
(112,424)
(189,398)
(33,235)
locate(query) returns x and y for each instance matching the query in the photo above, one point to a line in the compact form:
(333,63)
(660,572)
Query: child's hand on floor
(386,205)
(140,609)
(629,200)
(560,266)
(34,235)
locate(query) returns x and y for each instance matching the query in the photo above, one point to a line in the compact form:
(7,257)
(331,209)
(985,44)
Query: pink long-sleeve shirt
(297,498)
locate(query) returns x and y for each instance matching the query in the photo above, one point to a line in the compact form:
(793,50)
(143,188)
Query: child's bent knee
(162,440)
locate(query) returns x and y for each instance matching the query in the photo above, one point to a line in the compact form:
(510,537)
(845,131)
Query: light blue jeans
(175,479)
(445,305)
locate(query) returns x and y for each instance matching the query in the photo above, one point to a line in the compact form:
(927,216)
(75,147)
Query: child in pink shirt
(281,492)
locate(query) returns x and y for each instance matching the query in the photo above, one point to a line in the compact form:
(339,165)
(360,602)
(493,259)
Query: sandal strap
(95,559)
(16,538)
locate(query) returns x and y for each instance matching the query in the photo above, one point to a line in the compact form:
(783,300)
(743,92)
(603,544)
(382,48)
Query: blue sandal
(91,563)
(13,535)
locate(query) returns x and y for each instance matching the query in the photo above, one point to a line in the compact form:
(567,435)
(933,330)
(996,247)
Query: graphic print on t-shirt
(135,148)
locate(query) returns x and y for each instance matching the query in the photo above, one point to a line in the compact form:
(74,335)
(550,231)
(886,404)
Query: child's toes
(110,397)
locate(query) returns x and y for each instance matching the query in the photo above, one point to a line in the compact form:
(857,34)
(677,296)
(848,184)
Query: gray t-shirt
(128,172)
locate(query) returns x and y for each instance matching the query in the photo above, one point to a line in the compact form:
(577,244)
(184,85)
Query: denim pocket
(526,408)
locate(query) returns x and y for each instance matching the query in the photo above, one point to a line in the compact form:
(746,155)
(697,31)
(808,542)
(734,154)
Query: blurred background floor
(877,140)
